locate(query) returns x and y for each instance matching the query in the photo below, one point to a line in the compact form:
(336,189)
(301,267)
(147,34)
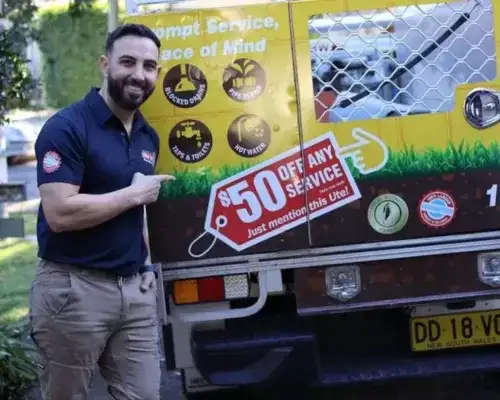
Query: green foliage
(17,366)
(77,7)
(18,258)
(16,85)
(71,45)
(16,80)
(21,14)
(401,164)
(18,371)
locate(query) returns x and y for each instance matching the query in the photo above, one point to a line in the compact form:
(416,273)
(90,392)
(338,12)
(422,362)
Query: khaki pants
(82,319)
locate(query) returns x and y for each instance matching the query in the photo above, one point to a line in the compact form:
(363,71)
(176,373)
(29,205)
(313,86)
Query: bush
(16,85)
(17,367)
(15,80)
(71,45)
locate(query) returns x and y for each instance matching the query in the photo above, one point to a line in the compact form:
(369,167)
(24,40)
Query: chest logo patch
(51,162)
(149,157)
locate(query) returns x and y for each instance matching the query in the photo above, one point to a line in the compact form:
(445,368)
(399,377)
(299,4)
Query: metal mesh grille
(401,60)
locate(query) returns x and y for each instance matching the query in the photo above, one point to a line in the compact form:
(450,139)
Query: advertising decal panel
(384,152)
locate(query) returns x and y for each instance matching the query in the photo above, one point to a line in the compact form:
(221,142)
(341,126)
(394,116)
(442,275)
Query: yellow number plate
(455,330)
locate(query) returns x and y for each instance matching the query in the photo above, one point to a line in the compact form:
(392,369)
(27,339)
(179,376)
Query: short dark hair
(131,30)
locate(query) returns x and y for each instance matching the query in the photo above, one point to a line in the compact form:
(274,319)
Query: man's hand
(148,281)
(148,186)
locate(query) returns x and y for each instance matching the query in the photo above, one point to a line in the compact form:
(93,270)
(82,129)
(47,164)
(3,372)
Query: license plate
(455,330)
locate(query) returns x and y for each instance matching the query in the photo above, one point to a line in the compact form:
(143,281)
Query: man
(93,300)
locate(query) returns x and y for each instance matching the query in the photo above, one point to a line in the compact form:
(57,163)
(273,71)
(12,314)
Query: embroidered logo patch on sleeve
(51,162)
(149,157)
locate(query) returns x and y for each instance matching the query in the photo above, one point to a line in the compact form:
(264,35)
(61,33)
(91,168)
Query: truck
(335,213)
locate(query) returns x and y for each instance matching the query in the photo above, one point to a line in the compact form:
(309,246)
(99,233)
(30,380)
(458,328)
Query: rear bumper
(325,351)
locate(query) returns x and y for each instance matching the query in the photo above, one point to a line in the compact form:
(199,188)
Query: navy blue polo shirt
(85,144)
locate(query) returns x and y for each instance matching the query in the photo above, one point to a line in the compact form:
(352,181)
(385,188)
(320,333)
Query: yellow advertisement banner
(225,97)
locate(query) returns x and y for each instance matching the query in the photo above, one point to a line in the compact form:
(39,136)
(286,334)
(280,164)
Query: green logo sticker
(388,214)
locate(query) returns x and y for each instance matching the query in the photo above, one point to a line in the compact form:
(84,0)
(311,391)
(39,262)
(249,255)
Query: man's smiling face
(132,71)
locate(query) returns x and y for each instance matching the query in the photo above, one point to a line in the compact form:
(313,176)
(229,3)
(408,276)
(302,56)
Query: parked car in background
(20,137)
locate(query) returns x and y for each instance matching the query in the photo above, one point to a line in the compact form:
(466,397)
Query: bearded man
(93,300)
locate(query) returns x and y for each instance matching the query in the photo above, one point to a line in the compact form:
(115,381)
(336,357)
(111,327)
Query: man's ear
(104,65)
(158,70)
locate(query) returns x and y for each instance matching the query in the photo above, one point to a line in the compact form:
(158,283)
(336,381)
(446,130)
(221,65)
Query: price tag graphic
(270,198)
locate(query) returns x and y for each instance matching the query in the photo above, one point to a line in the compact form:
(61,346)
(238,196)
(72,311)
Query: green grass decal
(437,161)
(189,183)
(407,162)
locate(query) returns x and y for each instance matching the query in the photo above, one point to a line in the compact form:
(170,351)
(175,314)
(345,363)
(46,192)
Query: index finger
(165,177)
(348,150)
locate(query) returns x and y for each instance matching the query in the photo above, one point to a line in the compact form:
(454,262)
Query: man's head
(130,65)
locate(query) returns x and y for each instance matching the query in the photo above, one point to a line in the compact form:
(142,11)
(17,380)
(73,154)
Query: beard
(126,98)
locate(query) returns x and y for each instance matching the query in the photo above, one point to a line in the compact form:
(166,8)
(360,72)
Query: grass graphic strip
(199,183)
(451,159)
(407,162)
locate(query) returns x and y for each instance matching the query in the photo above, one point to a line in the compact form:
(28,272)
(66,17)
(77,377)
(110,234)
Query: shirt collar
(102,113)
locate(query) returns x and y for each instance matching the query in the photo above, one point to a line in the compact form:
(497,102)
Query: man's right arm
(60,152)
(67,210)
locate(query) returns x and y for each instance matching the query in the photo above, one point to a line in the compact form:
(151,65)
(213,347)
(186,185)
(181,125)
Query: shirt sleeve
(60,153)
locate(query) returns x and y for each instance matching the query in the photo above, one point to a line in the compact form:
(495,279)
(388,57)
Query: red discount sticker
(270,198)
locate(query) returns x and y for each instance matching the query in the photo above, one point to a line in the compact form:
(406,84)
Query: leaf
(387,212)
(249,69)
(18,369)
(237,67)
(14,73)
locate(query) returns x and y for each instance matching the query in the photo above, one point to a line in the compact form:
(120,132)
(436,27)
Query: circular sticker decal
(185,85)
(437,209)
(51,162)
(388,214)
(190,141)
(244,80)
(249,135)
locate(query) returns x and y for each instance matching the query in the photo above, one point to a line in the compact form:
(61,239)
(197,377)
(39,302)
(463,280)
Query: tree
(77,6)
(16,85)
(16,82)
(20,13)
